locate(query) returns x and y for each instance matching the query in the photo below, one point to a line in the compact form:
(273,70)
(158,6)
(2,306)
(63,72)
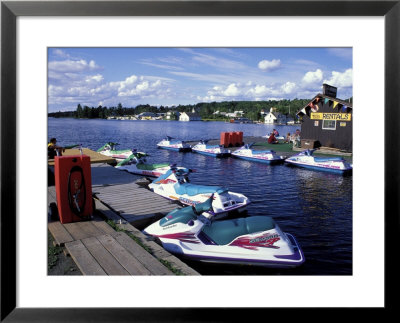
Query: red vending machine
(73,184)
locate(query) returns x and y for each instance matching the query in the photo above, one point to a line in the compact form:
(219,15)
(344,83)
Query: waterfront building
(274,117)
(189,116)
(327,121)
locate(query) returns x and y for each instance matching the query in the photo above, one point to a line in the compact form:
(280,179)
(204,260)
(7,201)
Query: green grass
(276,147)
(53,252)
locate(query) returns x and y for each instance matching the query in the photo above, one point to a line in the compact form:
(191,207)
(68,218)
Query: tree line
(251,109)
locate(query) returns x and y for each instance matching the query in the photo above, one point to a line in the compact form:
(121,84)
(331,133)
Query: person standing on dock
(53,149)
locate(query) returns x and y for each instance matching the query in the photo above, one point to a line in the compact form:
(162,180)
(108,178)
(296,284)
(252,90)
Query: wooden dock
(133,202)
(98,249)
(95,157)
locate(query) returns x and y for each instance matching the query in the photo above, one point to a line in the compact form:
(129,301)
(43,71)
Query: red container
(232,139)
(239,138)
(224,141)
(73,183)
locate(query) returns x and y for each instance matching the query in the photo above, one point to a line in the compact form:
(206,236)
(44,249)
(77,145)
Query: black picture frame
(10,10)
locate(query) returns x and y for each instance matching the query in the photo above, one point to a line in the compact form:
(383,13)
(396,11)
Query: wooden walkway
(95,157)
(134,203)
(97,248)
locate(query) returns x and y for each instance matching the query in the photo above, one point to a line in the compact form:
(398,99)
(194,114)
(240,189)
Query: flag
(326,100)
(335,104)
(344,108)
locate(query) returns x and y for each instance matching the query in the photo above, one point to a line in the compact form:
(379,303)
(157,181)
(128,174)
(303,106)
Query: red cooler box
(239,138)
(232,139)
(73,181)
(224,139)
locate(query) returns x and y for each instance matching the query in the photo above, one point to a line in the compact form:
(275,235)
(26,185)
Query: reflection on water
(316,207)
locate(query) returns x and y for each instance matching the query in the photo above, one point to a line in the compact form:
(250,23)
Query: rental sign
(331,116)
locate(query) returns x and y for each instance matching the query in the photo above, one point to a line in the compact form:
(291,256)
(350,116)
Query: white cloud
(313,77)
(70,66)
(249,91)
(94,78)
(340,80)
(288,87)
(266,65)
(231,90)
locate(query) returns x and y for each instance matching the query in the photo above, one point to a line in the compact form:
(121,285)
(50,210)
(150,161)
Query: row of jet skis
(205,229)
(134,161)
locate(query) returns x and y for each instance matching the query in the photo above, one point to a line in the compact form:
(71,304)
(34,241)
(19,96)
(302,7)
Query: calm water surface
(315,207)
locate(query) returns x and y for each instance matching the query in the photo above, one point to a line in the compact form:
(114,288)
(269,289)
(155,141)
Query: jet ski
(176,145)
(261,156)
(306,159)
(174,185)
(208,150)
(109,150)
(255,240)
(136,164)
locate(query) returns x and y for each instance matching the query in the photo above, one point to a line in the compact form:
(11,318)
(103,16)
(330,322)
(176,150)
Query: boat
(136,164)
(174,185)
(176,145)
(306,159)
(261,156)
(208,150)
(255,240)
(109,150)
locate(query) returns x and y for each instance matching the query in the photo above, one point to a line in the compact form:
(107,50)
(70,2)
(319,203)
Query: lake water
(315,207)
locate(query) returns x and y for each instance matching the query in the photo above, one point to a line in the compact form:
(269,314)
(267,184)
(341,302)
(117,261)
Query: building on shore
(327,121)
(274,117)
(189,116)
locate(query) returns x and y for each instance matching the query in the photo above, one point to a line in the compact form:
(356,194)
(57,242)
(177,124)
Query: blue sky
(173,76)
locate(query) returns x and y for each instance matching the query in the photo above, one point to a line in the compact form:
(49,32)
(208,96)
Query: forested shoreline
(251,109)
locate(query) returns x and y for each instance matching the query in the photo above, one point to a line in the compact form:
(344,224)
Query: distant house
(274,117)
(189,116)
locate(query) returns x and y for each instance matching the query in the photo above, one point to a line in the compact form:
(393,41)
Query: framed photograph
(37,33)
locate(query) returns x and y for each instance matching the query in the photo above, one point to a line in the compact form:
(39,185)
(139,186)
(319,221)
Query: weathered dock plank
(123,256)
(103,226)
(82,230)
(83,259)
(151,263)
(105,259)
(59,233)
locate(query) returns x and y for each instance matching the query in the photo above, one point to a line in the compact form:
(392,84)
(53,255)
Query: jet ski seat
(193,189)
(224,232)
